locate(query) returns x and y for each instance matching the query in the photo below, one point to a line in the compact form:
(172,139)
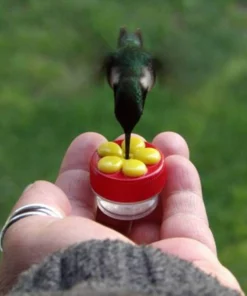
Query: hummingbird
(131,73)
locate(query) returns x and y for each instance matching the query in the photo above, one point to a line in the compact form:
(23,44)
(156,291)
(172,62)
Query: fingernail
(28,187)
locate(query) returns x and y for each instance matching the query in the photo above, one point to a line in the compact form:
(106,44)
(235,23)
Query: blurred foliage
(48,53)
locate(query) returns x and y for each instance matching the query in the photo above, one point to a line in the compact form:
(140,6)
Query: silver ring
(26,211)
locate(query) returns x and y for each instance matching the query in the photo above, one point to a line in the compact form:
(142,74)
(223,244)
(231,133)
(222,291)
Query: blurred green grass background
(48,51)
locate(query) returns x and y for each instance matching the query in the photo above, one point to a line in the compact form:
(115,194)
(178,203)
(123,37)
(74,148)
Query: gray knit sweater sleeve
(115,268)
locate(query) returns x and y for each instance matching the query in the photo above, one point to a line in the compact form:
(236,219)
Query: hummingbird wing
(162,69)
(102,68)
(107,65)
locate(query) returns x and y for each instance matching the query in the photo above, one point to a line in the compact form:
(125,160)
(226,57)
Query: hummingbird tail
(122,34)
(138,33)
(125,38)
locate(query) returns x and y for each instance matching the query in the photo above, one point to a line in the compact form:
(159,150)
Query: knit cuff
(117,266)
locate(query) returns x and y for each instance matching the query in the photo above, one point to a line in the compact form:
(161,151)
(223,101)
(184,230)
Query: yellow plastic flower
(112,158)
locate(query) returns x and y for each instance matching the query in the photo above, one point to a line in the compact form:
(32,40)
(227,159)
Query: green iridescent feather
(131,73)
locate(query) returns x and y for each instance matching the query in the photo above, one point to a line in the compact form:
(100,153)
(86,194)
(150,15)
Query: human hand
(178,226)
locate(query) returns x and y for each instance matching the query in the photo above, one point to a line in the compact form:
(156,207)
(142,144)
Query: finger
(14,260)
(119,225)
(80,152)
(147,230)
(201,256)
(45,193)
(121,137)
(30,239)
(184,213)
(73,177)
(171,144)
(40,192)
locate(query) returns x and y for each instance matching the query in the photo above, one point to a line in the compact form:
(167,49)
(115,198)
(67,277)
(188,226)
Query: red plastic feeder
(124,197)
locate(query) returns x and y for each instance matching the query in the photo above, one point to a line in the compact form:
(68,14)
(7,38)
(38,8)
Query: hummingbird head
(129,102)
(126,38)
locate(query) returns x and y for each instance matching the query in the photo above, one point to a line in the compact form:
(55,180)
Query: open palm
(178,226)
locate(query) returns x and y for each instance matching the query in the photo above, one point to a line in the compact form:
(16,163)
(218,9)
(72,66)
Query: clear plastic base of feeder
(127,211)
